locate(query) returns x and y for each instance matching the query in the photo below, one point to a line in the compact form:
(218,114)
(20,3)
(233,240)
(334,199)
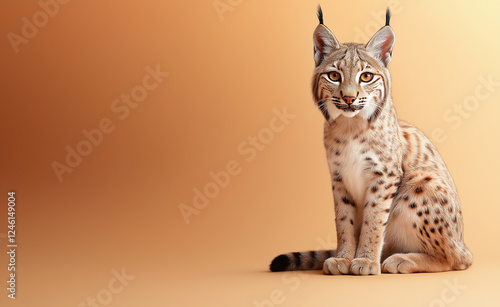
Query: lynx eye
(334,76)
(366,77)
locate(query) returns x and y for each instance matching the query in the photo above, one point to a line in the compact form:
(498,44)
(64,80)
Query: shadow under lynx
(397,209)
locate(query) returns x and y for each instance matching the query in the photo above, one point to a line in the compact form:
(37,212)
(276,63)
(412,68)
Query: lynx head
(352,79)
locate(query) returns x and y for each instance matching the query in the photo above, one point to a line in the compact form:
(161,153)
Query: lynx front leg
(375,216)
(346,242)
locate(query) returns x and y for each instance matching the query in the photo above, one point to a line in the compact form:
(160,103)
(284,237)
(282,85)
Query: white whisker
(331,98)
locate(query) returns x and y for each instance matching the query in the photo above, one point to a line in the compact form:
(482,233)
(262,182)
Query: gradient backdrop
(232,67)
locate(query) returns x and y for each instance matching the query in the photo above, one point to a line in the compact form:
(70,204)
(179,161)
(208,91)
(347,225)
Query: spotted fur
(397,208)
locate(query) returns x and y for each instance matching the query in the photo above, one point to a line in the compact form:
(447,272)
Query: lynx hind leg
(414,263)
(426,228)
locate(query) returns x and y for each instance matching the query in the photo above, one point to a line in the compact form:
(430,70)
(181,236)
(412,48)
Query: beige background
(119,208)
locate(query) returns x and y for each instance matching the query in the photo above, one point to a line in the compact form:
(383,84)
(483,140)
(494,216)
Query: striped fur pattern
(310,260)
(397,208)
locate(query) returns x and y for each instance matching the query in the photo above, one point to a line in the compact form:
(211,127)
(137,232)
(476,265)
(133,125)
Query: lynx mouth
(349,108)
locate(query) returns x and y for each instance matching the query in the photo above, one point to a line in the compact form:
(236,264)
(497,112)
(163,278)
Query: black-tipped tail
(387,17)
(280,264)
(320,15)
(309,260)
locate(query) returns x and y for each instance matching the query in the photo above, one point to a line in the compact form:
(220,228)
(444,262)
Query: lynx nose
(349,99)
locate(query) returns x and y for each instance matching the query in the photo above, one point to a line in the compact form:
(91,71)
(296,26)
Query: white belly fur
(353,173)
(401,236)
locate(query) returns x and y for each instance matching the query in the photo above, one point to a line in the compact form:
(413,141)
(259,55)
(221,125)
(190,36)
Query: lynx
(397,209)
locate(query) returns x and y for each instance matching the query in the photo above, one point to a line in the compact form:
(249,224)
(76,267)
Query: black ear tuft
(387,17)
(320,14)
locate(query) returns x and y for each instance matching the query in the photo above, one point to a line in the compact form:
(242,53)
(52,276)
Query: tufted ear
(380,45)
(324,40)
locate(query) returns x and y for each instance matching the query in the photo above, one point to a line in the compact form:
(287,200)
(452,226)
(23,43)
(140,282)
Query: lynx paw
(398,264)
(336,266)
(365,266)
